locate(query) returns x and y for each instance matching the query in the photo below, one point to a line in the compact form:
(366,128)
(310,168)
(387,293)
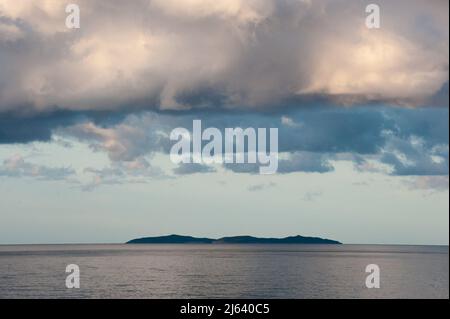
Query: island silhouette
(177,239)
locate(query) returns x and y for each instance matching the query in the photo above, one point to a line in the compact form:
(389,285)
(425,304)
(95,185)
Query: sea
(224,271)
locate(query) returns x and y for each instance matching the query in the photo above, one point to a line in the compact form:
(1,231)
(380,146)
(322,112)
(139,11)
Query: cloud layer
(162,54)
(410,142)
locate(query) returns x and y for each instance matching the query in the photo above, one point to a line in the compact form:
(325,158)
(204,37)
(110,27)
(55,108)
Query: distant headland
(177,239)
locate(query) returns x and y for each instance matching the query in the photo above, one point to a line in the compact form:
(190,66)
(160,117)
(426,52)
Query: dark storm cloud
(410,141)
(24,129)
(305,162)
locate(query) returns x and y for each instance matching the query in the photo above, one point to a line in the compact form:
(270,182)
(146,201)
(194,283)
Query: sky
(86,116)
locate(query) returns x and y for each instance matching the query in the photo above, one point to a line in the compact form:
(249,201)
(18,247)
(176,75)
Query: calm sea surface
(223,271)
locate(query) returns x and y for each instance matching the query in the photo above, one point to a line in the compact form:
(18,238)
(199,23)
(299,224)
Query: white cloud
(17,166)
(138,170)
(437,183)
(126,141)
(287,121)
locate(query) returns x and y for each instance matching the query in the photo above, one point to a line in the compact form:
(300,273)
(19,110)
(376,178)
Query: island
(177,239)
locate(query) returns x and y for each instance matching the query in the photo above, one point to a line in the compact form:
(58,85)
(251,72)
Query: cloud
(193,168)
(305,162)
(260,187)
(407,141)
(436,183)
(296,162)
(219,54)
(412,157)
(287,121)
(138,170)
(312,196)
(31,127)
(395,141)
(17,166)
(126,140)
